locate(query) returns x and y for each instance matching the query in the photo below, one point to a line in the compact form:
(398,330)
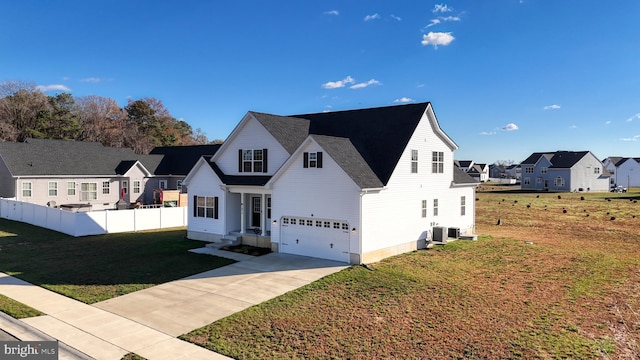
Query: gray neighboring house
(564,171)
(88,175)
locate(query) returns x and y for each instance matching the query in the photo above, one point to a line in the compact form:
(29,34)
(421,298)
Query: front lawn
(96,268)
(557,280)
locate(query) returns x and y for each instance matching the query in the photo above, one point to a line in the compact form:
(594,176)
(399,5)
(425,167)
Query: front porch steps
(226,240)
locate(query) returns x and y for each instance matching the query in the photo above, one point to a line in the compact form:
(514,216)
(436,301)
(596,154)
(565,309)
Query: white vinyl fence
(93,222)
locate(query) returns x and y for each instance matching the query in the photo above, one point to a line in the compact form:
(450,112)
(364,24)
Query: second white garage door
(321,238)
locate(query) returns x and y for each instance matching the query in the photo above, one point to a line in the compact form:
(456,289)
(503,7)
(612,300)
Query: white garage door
(321,238)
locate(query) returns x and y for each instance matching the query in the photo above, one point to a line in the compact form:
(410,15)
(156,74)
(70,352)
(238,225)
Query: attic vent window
(312,159)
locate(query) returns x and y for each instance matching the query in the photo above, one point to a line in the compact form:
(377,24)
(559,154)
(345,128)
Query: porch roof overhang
(241,180)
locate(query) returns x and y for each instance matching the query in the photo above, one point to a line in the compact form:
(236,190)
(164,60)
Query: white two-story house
(353,186)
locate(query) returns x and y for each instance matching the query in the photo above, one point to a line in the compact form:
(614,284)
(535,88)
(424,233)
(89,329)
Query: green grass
(96,268)
(545,285)
(17,309)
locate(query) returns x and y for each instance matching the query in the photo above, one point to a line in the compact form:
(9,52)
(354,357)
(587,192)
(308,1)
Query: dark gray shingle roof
(178,160)
(45,157)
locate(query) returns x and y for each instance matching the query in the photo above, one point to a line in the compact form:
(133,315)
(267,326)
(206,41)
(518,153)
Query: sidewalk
(147,322)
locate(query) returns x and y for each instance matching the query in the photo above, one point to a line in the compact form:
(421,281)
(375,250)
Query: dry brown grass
(549,283)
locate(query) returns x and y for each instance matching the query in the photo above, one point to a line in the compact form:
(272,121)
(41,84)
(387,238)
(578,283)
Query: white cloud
(332,12)
(339,83)
(552,107)
(91,80)
(573,127)
(636,116)
(372,17)
(488,133)
(510,127)
(437,38)
(607,122)
(396,17)
(635,138)
(441,8)
(403,100)
(365,84)
(433,23)
(450,18)
(53,87)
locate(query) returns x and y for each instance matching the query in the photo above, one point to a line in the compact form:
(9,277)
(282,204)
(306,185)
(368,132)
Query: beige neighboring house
(82,176)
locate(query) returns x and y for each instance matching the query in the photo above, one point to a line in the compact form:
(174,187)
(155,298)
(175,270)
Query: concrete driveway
(180,306)
(147,322)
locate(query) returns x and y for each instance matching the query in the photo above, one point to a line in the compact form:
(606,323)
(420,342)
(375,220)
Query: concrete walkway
(147,322)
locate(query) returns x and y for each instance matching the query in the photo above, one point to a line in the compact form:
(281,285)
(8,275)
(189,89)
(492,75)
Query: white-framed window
(88,191)
(437,162)
(125,186)
(252,160)
(528,170)
(345,226)
(414,161)
(336,225)
(71,188)
(559,181)
(53,188)
(312,159)
(543,170)
(526,181)
(538,180)
(106,188)
(205,207)
(179,185)
(435,207)
(136,186)
(596,170)
(463,205)
(424,208)
(162,184)
(27,189)
(327,224)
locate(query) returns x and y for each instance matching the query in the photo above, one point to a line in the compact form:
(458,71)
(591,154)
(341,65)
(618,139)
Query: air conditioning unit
(454,232)
(440,234)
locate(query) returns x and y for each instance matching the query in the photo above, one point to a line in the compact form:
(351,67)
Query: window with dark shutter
(319,159)
(239,160)
(305,160)
(312,159)
(264,160)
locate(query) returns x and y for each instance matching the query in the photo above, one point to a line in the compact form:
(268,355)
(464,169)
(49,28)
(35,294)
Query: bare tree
(19,108)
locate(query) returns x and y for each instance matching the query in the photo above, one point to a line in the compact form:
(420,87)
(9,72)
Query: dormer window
(254,160)
(312,159)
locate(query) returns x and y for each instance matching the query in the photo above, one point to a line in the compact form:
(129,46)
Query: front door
(546,183)
(256,208)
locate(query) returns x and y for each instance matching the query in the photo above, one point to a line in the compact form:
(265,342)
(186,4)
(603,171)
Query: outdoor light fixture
(275,222)
(353,230)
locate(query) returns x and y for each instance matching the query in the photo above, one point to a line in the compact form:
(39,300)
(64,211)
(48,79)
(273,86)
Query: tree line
(26,112)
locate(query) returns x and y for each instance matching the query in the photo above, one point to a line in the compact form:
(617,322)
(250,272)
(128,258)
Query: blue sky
(506,77)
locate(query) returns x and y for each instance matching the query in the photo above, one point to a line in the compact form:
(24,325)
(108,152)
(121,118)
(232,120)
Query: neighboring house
(496,171)
(513,172)
(564,171)
(82,175)
(176,163)
(480,172)
(354,186)
(625,171)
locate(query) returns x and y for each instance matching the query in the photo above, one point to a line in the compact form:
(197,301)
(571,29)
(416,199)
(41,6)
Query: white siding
(583,175)
(628,174)
(324,193)
(204,182)
(252,136)
(394,215)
